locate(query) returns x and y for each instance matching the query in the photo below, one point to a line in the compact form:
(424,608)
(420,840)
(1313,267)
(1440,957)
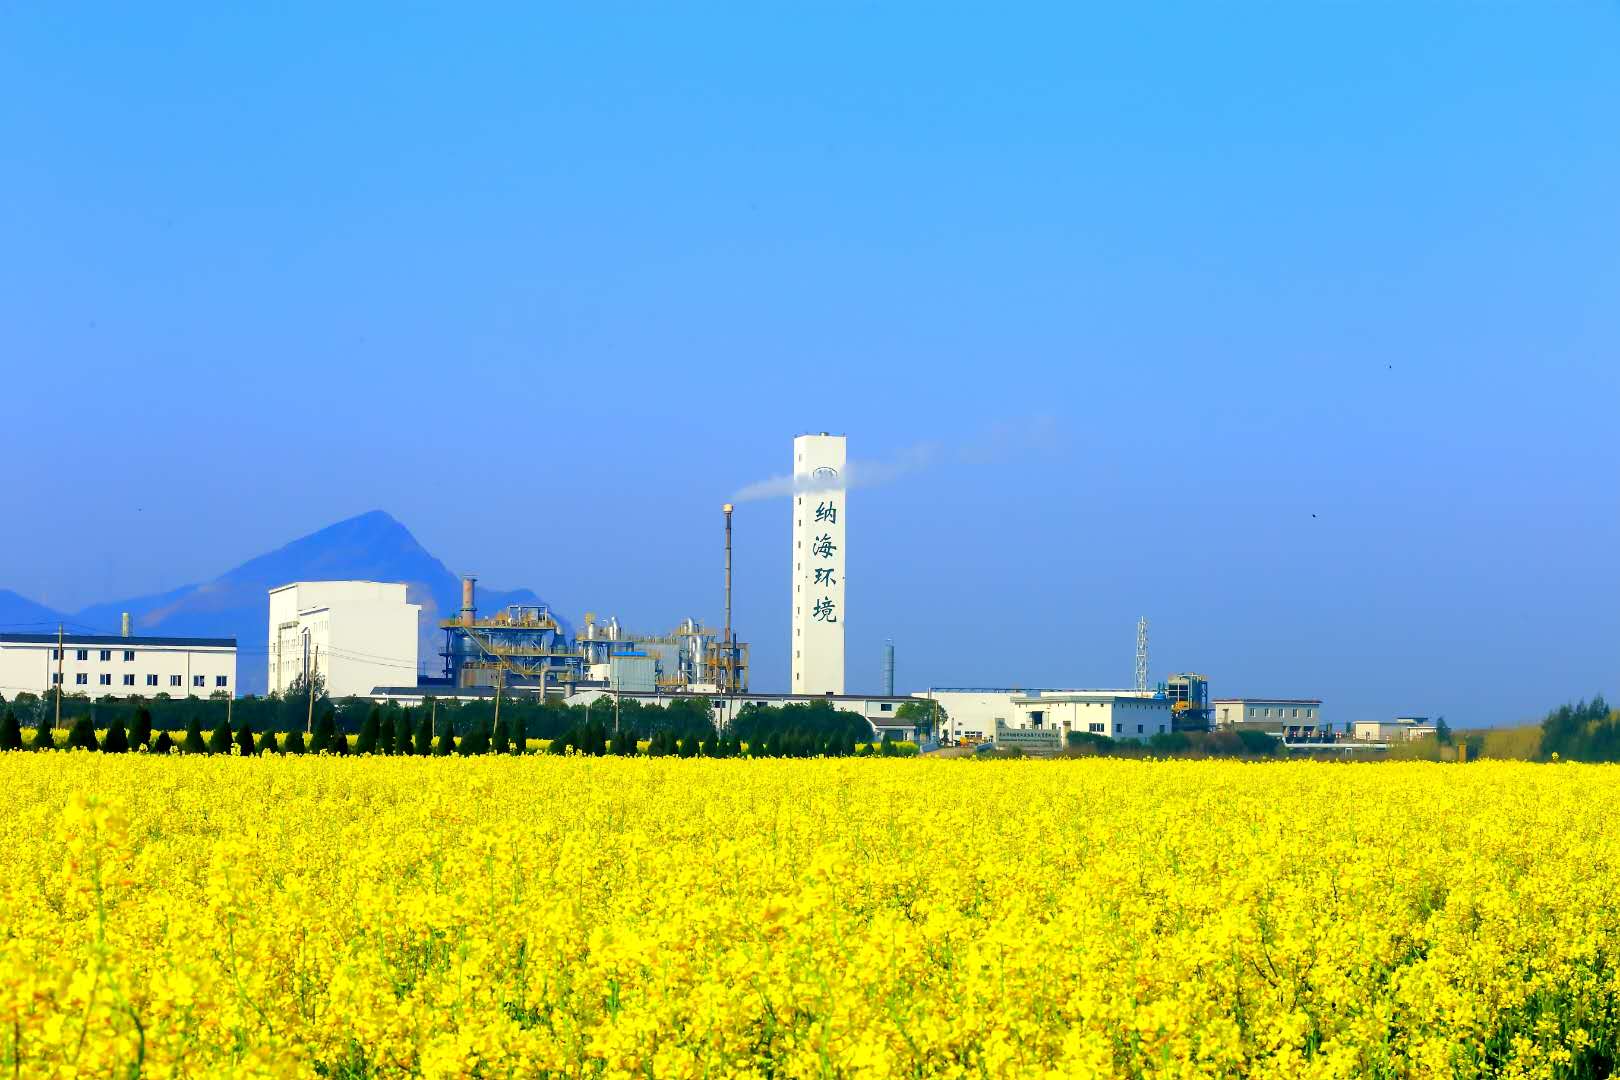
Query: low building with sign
(1118,714)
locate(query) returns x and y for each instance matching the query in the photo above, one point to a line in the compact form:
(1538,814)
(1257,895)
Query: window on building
(1296,714)
(1119,729)
(80,679)
(1253,713)
(129,656)
(56,654)
(56,678)
(1139,729)
(219,680)
(1098,729)
(105,679)
(199,680)
(106,655)
(174,680)
(82,654)
(129,680)
(1037,718)
(151,680)
(886,706)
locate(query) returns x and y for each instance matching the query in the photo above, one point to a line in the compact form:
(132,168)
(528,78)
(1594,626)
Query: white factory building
(1290,719)
(971,714)
(101,666)
(357,635)
(820,555)
(1401,729)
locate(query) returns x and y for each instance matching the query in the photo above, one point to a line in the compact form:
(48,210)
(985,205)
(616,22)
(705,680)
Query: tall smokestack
(468,611)
(125,624)
(731,653)
(888,668)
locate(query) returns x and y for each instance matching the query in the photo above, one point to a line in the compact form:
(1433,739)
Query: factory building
(525,647)
(820,556)
(972,713)
(1401,729)
(1293,720)
(356,635)
(1118,714)
(99,666)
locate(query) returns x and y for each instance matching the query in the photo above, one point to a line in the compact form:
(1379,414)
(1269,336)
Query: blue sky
(549,285)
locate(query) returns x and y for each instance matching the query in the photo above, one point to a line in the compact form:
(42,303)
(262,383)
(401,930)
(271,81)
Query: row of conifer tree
(412,735)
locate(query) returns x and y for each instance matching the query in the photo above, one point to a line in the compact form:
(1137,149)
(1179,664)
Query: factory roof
(1270,700)
(121,642)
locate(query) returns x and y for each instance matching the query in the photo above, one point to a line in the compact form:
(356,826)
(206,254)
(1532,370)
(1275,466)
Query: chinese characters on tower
(820,558)
(826,570)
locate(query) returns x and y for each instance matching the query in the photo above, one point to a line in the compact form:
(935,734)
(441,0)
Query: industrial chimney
(728,677)
(469,611)
(125,624)
(888,668)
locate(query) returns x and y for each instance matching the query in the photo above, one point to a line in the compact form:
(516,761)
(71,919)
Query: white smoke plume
(995,445)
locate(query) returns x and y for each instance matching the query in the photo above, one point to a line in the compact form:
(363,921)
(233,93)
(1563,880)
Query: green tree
(1442,731)
(422,744)
(140,729)
(501,743)
(446,744)
(293,743)
(324,736)
(1585,731)
(10,733)
(403,732)
(193,742)
(926,715)
(163,744)
(219,742)
(44,737)
(267,744)
(369,732)
(385,735)
(887,748)
(476,741)
(244,738)
(82,736)
(116,740)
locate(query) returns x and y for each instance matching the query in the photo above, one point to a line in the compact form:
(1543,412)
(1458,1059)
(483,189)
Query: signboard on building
(1029,740)
(820,513)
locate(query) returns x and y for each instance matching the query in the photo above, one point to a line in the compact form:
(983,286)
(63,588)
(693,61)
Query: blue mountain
(18,614)
(371,547)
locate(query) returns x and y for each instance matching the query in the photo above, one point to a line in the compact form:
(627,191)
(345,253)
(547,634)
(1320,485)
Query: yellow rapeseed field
(578,917)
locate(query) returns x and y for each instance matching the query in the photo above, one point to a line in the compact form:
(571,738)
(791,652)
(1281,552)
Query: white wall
(1263,710)
(1118,716)
(972,714)
(362,634)
(819,548)
(118,667)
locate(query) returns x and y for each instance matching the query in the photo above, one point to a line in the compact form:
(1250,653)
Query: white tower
(819,558)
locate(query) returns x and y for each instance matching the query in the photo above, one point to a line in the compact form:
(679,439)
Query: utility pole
(60,649)
(309,686)
(500,681)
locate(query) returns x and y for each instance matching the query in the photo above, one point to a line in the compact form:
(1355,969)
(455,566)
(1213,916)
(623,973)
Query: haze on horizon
(1316,304)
